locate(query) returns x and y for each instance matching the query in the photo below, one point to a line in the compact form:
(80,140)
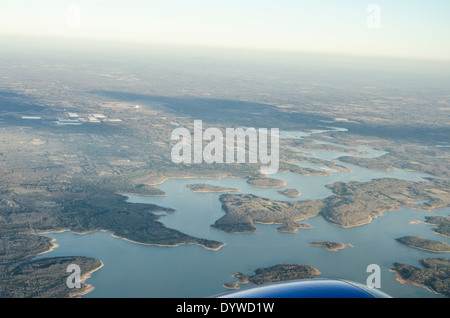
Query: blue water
(133,270)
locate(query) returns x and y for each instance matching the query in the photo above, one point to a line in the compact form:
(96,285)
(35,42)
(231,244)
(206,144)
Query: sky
(385,28)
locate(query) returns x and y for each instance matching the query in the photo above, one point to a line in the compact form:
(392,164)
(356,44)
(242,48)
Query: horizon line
(234,48)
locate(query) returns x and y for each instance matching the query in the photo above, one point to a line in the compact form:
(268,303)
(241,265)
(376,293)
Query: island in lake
(331,246)
(425,244)
(293,227)
(265,182)
(434,276)
(277,273)
(290,193)
(204,187)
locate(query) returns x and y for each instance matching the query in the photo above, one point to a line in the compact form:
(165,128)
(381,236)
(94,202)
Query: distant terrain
(77,130)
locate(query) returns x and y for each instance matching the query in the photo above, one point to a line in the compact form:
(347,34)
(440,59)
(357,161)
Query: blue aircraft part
(308,288)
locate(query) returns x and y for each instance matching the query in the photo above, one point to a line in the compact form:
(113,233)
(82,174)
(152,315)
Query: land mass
(434,276)
(242,210)
(330,165)
(290,193)
(331,246)
(425,244)
(21,276)
(277,273)
(204,187)
(265,182)
(406,156)
(289,167)
(293,227)
(357,203)
(83,212)
(144,189)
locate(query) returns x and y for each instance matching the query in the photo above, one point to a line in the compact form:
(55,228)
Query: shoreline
(164,179)
(53,246)
(270,223)
(194,177)
(303,226)
(335,249)
(89,288)
(440,234)
(427,250)
(122,238)
(269,187)
(208,191)
(212,191)
(367,222)
(281,223)
(65,230)
(243,279)
(401,280)
(84,277)
(127,195)
(289,196)
(164,245)
(246,232)
(209,188)
(434,230)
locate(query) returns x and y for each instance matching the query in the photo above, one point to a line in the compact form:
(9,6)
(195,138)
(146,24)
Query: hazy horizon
(70,49)
(404,29)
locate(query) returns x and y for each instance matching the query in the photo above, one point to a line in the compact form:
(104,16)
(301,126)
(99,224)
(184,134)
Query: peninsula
(425,244)
(442,222)
(434,276)
(43,277)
